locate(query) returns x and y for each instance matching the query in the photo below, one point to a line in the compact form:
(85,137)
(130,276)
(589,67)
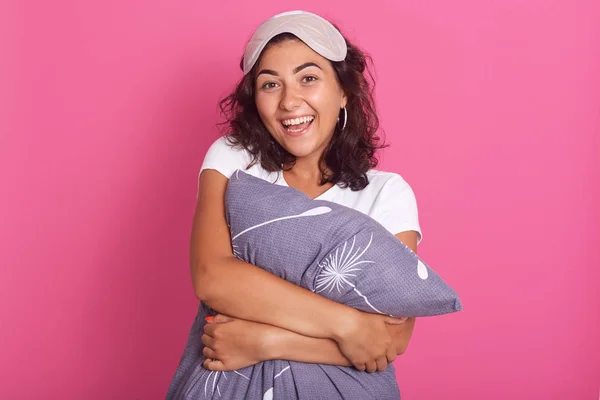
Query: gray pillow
(335,251)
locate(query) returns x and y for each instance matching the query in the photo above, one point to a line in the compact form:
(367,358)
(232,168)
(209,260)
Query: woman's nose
(290,100)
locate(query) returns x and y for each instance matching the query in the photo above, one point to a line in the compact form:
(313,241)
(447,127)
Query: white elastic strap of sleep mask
(318,34)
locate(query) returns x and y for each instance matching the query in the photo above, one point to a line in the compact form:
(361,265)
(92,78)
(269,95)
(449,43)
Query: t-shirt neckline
(281,178)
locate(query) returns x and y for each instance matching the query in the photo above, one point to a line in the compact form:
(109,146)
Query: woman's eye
(269,85)
(309,78)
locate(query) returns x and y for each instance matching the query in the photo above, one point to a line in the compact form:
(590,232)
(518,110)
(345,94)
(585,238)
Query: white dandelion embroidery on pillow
(338,268)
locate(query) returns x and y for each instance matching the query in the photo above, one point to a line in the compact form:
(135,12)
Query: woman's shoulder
(224,157)
(380,180)
(225,146)
(394,202)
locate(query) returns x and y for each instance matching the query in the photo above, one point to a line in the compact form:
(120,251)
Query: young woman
(303,115)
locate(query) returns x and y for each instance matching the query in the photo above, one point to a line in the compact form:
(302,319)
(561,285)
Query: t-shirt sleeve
(224,158)
(396,207)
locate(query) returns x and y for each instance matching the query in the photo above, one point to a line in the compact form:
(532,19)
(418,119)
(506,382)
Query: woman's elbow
(209,278)
(201,280)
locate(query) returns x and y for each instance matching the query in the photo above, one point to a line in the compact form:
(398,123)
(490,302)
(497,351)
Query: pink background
(107,108)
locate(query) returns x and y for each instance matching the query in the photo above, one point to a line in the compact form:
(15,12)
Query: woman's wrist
(275,341)
(282,344)
(272,343)
(344,323)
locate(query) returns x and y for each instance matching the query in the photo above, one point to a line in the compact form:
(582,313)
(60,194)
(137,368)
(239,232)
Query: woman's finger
(214,365)
(391,354)
(209,353)
(221,318)
(371,366)
(208,340)
(360,367)
(382,363)
(209,328)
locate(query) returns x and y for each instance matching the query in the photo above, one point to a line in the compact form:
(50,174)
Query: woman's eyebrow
(305,65)
(267,71)
(295,71)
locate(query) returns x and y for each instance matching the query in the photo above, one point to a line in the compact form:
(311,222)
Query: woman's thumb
(396,321)
(218,319)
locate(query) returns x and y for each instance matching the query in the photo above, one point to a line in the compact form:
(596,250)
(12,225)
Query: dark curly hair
(349,154)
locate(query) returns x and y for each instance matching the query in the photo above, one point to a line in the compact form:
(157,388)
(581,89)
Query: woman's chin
(302,146)
(300,150)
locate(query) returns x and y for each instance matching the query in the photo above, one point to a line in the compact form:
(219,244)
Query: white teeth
(297,121)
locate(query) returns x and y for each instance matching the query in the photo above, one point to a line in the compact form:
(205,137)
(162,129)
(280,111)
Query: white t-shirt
(388,198)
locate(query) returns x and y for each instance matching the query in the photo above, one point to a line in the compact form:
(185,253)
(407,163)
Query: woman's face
(298,97)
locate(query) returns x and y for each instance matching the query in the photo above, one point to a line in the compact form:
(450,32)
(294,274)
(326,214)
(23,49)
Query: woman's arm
(287,345)
(233,287)
(245,343)
(232,343)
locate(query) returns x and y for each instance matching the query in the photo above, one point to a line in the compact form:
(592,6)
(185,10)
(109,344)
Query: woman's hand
(234,343)
(366,342)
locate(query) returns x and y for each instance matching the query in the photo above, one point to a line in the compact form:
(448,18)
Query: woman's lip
(297,116)
(300,133)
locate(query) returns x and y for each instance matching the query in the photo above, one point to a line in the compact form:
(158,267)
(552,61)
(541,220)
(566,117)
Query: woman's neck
(306,170)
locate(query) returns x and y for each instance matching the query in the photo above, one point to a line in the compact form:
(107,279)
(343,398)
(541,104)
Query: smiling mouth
(297,125)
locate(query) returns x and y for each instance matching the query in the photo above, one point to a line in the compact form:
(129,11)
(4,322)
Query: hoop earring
(345,118)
